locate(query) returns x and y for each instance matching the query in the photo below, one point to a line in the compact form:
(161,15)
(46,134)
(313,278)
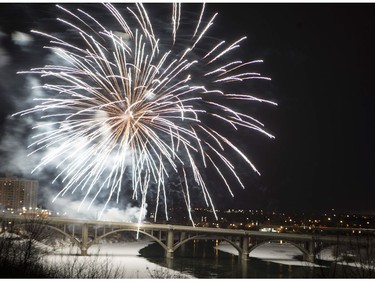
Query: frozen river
(123,256)
(126,257)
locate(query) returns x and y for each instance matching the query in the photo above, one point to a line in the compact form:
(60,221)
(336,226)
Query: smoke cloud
(20,92)
(78,209)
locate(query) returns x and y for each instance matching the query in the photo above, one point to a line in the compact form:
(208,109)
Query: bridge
(85,233)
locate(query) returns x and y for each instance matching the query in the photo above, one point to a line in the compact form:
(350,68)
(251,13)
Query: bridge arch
(74,240)
(205,237)
(304,251)
(95,241)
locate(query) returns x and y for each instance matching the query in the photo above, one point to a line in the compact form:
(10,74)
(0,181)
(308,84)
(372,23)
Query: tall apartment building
(17,194)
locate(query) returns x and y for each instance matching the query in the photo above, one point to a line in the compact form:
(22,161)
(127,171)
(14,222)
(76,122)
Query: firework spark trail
(127,106)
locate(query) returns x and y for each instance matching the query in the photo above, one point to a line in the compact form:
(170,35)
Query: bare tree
(21,255)
(353,256)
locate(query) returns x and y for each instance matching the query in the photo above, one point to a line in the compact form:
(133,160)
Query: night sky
(321,58)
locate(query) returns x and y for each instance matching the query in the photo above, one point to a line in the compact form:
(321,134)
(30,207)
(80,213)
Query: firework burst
(134,104)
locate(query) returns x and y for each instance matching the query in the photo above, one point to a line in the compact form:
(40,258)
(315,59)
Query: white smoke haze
(130,214)
(83,210)
(124,36)
(16,161)
(21,39)
(33,86)
(19,158)
(84,161)
(4,58)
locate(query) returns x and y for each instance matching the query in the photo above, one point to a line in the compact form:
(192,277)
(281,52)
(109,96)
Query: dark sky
(321,59)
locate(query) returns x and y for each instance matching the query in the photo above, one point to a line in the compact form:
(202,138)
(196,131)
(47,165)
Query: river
(202,259)
(197,259)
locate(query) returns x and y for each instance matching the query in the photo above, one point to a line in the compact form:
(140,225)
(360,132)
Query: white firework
(124,104)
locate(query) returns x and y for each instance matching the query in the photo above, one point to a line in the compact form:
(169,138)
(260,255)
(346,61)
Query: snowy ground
(123,256)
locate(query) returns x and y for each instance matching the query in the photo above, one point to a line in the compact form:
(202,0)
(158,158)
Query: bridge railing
(77,230)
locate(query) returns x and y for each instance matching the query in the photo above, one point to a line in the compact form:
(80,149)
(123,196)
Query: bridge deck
(192,229)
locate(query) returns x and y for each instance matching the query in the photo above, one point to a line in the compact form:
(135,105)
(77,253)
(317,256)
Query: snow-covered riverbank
(126,262)
(123,258)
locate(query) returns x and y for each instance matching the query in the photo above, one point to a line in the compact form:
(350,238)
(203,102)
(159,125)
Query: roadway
(194,230)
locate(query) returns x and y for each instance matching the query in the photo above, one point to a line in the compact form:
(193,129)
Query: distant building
(18,194)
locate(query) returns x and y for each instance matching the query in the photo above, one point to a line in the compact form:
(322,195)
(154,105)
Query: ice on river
(125,257)
(284,253)
(121,256)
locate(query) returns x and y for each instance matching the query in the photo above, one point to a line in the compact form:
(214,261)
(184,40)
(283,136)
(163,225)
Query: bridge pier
(243,266)
(309,256)
(245,248)
(84,240)
(170,242)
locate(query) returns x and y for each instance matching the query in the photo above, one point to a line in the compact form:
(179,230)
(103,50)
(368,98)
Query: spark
(122,104)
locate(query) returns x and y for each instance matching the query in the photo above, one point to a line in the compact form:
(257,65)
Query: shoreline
(124,256)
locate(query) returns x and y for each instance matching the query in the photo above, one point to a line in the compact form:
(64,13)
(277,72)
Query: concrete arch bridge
(85,233)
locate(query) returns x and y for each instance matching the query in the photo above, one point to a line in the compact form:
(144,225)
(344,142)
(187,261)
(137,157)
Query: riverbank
(123,258)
